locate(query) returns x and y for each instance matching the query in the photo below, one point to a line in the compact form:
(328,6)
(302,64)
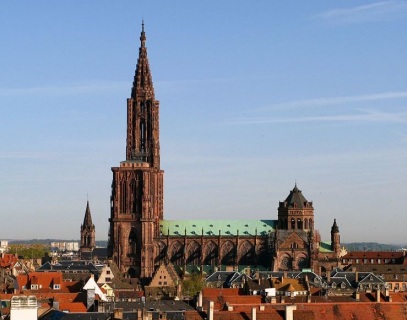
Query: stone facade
(140,240)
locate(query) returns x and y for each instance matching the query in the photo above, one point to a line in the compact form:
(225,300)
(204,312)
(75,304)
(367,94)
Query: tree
(29,251)
(192,285)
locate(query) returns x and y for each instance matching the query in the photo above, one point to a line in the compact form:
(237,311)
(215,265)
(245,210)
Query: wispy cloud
(29,155)
(69,89)
(367,116)
(327,101)
(379,11)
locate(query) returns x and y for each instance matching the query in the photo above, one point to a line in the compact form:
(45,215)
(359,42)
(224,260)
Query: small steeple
(335,228)
(87,221)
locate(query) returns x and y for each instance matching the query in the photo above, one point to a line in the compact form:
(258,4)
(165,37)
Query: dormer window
(34,287)
(57,287)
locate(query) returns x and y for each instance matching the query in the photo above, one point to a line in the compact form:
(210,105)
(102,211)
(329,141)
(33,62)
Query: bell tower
(87,232)
(137,187)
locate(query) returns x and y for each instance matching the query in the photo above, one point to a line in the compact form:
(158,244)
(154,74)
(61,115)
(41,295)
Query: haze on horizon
(254,97)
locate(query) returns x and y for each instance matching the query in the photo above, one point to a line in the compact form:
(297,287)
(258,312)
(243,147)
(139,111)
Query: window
(57,287)
(107,271)
(357,260)
(108,279)
(34,286)
(160,283)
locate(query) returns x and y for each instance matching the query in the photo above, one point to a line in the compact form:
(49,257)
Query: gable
(291,239)
(162,277)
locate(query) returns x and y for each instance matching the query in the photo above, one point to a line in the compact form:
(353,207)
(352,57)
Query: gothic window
(123,194)
(88,240)
(161,252)
(132,242)
(228,253)
(299,224)
(286,263)
(247,254)
(143,134)
(305,223)
(302,263)
(194,253)
(137,191)
(292,223)
(176,253)
(311,225)
(211,254)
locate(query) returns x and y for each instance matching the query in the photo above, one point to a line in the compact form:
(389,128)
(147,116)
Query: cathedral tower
(137,187)
(87,232)
(295,212)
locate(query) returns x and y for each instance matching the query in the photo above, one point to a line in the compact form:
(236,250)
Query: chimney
(210,310)
(254,313)
(199,304)
(289,312)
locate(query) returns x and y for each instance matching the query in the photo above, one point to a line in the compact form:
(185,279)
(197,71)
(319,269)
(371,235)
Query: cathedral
(140,239)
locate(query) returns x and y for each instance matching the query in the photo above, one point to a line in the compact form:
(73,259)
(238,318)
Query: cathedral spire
(142,84)
(142,144)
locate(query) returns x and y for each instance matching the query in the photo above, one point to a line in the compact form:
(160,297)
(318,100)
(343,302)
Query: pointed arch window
(292,223)
(123,196)
(143,135)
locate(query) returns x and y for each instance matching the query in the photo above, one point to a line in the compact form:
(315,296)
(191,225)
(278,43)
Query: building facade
(140,239)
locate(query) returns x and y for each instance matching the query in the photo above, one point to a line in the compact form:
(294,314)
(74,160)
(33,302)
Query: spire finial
(143,35)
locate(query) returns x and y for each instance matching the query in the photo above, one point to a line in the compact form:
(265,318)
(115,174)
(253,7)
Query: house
(165,283)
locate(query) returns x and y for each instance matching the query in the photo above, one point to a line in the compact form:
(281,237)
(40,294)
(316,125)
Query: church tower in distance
(87,232)
(137,187)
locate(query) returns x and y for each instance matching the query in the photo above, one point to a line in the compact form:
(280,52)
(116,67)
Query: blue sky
(254,96)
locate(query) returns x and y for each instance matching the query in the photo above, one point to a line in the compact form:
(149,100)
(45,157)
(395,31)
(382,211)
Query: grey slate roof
(296,199)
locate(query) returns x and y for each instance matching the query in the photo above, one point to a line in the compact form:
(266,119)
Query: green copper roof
(325,247)
(212,227)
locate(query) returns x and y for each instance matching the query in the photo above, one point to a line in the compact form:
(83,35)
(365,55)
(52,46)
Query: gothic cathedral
(140,240)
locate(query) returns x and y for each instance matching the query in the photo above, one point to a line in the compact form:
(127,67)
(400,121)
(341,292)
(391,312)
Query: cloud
(27,155)
(379,11)
(367,116)
(317,102)
(70,89)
